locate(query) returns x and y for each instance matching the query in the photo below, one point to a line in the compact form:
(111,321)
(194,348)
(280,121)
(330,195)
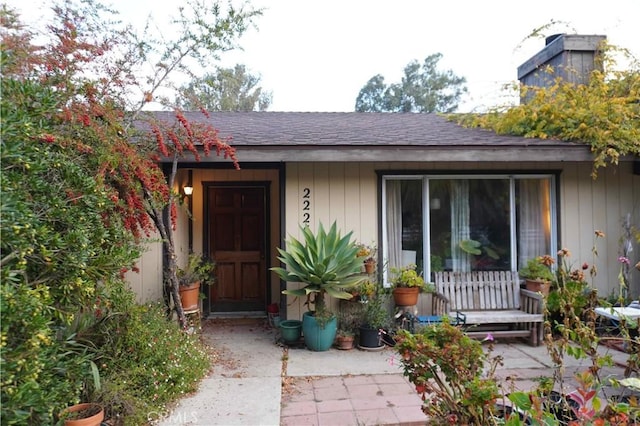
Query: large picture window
(467,223)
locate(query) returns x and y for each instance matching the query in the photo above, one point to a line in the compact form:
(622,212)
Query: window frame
(425,178)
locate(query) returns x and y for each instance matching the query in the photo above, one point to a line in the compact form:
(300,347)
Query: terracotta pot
(344,343)
(95,418)
(355,297)
(406,296)
(370,267)
(538,286)
(190,296)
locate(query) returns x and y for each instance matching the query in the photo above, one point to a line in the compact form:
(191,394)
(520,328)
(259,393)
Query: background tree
(422,89)
(228,89)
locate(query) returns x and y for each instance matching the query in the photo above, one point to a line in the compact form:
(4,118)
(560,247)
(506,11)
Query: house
(416,184)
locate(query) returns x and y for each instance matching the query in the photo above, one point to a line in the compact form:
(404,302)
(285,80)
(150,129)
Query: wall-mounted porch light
(188,190)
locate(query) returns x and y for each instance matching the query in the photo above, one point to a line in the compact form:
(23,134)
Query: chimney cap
(552,37)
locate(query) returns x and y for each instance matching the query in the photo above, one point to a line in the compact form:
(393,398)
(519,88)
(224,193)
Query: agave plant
(326,262)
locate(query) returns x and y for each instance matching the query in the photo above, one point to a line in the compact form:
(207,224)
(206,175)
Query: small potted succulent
(537,274)
(198,271)
(368,255)
(407,284)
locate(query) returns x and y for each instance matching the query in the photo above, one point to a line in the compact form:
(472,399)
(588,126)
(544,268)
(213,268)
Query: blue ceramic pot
(318,338)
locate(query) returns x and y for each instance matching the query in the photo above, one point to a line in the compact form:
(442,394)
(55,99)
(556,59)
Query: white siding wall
(587,205)
(147,283)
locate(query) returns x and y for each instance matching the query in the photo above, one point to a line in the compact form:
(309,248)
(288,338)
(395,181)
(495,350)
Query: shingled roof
(353,136)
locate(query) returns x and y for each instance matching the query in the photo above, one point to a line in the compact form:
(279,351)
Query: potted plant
(375,319)
(363,291)
(291,331)
(407,284)
(327,264)
(198,271)
(85,414)
(537,274)
(349,319)
(345,339)
(368,255)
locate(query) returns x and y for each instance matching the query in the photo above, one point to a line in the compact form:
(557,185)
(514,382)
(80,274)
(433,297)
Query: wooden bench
(490,302)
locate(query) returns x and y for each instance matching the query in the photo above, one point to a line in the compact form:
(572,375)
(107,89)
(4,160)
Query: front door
(236,241)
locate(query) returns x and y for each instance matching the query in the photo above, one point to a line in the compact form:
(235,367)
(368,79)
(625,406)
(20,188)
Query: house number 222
(306,206)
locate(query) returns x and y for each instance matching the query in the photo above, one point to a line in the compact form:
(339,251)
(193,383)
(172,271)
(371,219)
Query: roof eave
(570,153)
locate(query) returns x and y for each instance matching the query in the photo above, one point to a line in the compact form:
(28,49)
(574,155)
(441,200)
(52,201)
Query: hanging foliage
(604,114)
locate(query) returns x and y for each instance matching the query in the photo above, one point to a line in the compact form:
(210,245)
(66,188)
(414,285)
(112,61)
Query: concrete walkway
(256,381)
(245,385)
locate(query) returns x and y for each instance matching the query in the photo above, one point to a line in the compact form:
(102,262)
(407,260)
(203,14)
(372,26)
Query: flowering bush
(572,332)
(148,361)
(447,369)
(78,197)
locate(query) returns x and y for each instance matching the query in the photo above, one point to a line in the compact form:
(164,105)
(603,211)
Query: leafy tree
(604,113)
(228,89)
(78,198)
(422,89)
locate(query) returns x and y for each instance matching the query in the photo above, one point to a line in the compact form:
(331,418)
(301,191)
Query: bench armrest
(440,304)
(531,302)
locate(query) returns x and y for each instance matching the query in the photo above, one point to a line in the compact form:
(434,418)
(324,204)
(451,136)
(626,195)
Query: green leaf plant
(447,368)
(326,262)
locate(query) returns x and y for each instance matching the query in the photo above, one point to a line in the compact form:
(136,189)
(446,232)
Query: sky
(316,55)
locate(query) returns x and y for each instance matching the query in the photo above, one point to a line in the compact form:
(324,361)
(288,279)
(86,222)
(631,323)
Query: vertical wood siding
(147,283)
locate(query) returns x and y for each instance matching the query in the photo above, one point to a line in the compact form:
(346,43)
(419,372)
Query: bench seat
(499,317)
(490,302)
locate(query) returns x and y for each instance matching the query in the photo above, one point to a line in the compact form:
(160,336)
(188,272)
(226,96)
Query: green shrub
(60,238)
(38,374)
(149,362)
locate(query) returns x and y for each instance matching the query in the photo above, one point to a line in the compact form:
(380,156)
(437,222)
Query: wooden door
(236,241)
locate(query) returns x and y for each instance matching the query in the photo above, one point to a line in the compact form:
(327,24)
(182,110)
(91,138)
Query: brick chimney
(572,57)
